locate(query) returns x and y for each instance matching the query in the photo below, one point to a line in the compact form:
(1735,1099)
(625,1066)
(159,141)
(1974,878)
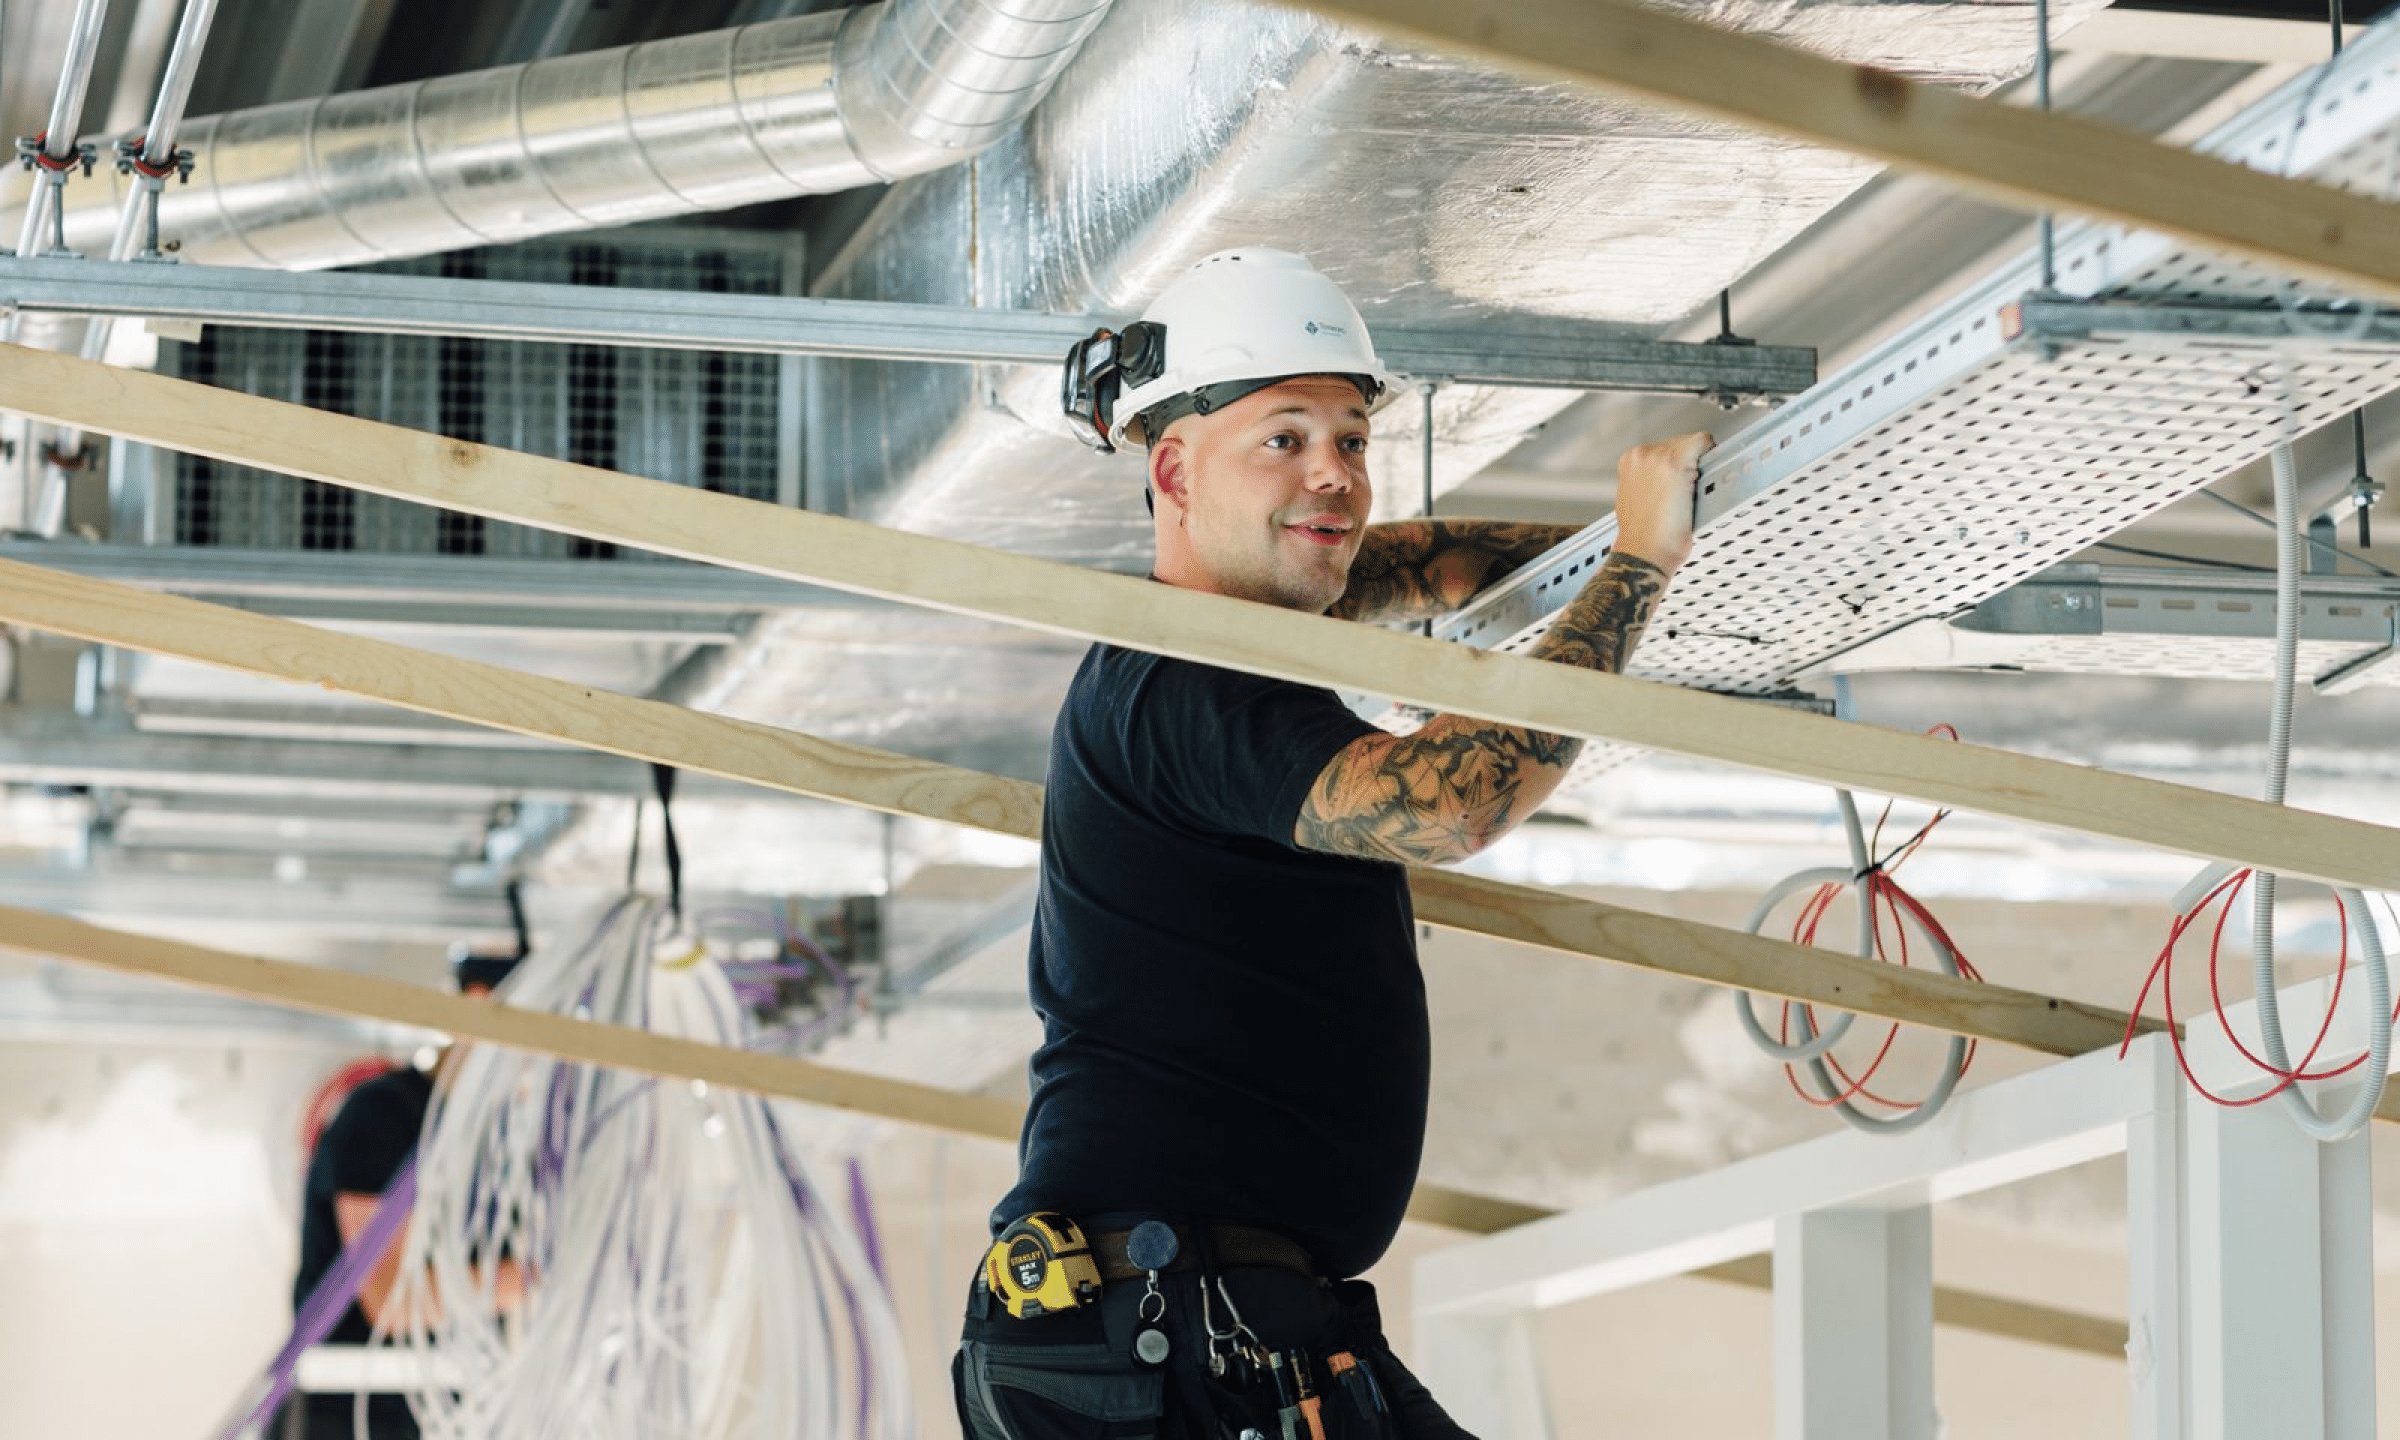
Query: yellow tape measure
(1040,1265)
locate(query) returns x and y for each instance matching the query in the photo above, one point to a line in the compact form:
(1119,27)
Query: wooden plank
(341,992)
(946,575)
(1713,955)
(532,705)
(2007,153)
(371,997)
(503,699)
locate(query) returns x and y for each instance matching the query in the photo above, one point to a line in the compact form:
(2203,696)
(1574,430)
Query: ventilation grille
(688,417)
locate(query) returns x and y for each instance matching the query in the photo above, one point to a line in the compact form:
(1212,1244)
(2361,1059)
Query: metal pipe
(175,85)
(66,112)
(2041,85)
(1425,394)
(137,221)
(74,78)
(47,483)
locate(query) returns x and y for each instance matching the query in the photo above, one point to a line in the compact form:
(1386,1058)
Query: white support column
(2346,1219)
(1854,1325)
(2157,1358)
(2281,1311)
(1487,1372)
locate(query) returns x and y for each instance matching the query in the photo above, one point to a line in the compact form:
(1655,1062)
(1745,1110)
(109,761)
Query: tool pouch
(1057,1392)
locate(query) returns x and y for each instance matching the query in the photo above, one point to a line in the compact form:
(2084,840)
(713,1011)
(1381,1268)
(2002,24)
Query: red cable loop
(1888,897)
(2216,997)
(1885,894)
(2162,975)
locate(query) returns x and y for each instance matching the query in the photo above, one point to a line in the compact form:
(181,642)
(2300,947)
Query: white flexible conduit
(809,105)
(1809,1053)
(685,1274)
(1813,1042)
(2288,541)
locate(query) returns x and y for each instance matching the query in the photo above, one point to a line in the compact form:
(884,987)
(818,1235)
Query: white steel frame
(2250,1296)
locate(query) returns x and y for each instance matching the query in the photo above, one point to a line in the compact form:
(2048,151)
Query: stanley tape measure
(1041,1265)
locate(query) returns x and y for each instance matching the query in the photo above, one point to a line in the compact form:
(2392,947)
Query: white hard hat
(1230,326)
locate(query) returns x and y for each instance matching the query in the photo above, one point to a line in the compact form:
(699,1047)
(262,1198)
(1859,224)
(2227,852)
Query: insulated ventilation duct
(809,105)
(1436,191)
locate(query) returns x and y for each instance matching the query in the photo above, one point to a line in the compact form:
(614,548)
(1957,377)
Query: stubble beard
(1275,579)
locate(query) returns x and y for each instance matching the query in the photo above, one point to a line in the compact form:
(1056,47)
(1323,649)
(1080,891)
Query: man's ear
(1170,475)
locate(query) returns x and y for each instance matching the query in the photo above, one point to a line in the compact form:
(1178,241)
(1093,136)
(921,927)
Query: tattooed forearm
(1417,569)
(1600,626)
(1431,797)
(1457,784)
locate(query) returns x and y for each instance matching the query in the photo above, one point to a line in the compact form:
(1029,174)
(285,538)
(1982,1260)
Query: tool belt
(1236,1247)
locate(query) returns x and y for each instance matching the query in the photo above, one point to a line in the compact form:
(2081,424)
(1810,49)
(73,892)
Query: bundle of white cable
(684,1275)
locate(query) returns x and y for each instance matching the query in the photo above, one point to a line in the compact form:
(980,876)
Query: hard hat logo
(1209,339)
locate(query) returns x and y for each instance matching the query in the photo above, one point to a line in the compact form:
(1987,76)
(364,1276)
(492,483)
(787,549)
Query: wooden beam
(265,645)
(341,992)
(946,575)
(1736,960)
(2006,153)
(502,699)
(589,1042)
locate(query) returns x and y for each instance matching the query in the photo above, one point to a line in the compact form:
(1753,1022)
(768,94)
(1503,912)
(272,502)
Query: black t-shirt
(1235,1028)
(370,1138)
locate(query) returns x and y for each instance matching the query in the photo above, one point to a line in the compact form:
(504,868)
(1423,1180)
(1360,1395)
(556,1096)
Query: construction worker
(1229,1105)
(355,1160)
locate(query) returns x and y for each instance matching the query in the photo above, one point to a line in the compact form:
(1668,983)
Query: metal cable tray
(2009,430)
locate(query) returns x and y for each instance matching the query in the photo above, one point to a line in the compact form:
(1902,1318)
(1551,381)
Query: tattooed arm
(1457,784)
(1417,569)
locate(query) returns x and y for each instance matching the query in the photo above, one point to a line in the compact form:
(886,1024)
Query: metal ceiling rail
(61,750)
(572,623)
(2149,621)
(995,584)
(351,904)
(1516,350)
(497,581)
(2007,431)
(2025,158)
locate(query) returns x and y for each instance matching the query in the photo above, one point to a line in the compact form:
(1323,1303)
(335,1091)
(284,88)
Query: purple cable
(862,1210)
(332,1295)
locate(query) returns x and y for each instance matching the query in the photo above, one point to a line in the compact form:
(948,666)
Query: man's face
(1266,498)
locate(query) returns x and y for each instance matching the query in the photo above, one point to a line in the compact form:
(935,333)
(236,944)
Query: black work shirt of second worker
(1235,1028)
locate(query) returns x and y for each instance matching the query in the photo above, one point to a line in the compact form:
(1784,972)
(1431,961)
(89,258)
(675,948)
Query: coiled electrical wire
(1810,1056)
(684,1273)
(1815,1042)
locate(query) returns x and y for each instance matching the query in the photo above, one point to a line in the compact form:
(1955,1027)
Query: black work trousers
(1073,1376)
